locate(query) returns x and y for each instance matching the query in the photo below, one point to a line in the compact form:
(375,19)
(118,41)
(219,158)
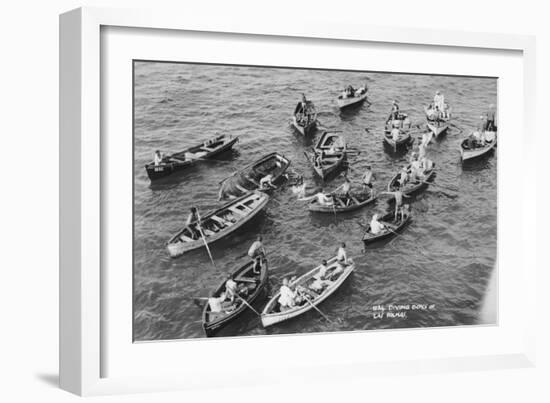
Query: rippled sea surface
(444,257)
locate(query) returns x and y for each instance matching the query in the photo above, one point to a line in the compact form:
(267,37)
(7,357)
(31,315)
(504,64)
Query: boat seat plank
(221,221)
(185,238)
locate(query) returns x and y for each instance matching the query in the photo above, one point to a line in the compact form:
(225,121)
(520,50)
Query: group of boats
(247,192)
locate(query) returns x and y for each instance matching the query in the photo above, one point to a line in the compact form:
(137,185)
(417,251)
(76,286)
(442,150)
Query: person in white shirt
(376,226)
(230,289)
(341,254)
(158,158)
(266,182)
(256,249)
(439,100)
(286,299)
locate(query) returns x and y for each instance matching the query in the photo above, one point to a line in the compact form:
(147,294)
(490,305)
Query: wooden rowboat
(249,177)
(411,187)
(272,314)
(403,125)
(359,95)
(218,223)
(396,226)
(467,153)
(244,276)
(344,204)
(437,125)
(184,159)
(330,154)
(304,119)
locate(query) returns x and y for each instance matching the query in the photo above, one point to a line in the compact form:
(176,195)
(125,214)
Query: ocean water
(439,267)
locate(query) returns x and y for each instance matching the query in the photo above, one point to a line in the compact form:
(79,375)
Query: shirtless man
(398,196)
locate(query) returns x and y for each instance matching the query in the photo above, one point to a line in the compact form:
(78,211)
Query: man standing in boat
(394,114)
(398,196)
(158,158)
(439,101)
(193,218)
(257,254)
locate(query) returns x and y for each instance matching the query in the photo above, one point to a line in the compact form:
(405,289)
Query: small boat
(397,132)
(218,223)
(468,153)
(330,154)
(412,187)
(183,159)
(252,283)
(249,177)
(351,96)
(304,118)
(343,204)
(437,123)
(389,220)
(272,312)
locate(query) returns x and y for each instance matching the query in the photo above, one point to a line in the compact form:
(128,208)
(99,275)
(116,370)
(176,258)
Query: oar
(247,304)
(318,310)
(206,245)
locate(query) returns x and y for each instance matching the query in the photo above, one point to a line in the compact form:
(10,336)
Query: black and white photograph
(275,200)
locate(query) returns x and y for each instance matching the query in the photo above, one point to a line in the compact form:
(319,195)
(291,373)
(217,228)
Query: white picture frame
(82,343)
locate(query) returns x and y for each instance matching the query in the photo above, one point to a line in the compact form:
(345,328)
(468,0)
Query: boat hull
(317,208)
(371,238)
(409,190)
(304,130)
(347,102)
(176,249)
(269,319)
(438,129)
(468,155)
(155,172)
(211,327)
